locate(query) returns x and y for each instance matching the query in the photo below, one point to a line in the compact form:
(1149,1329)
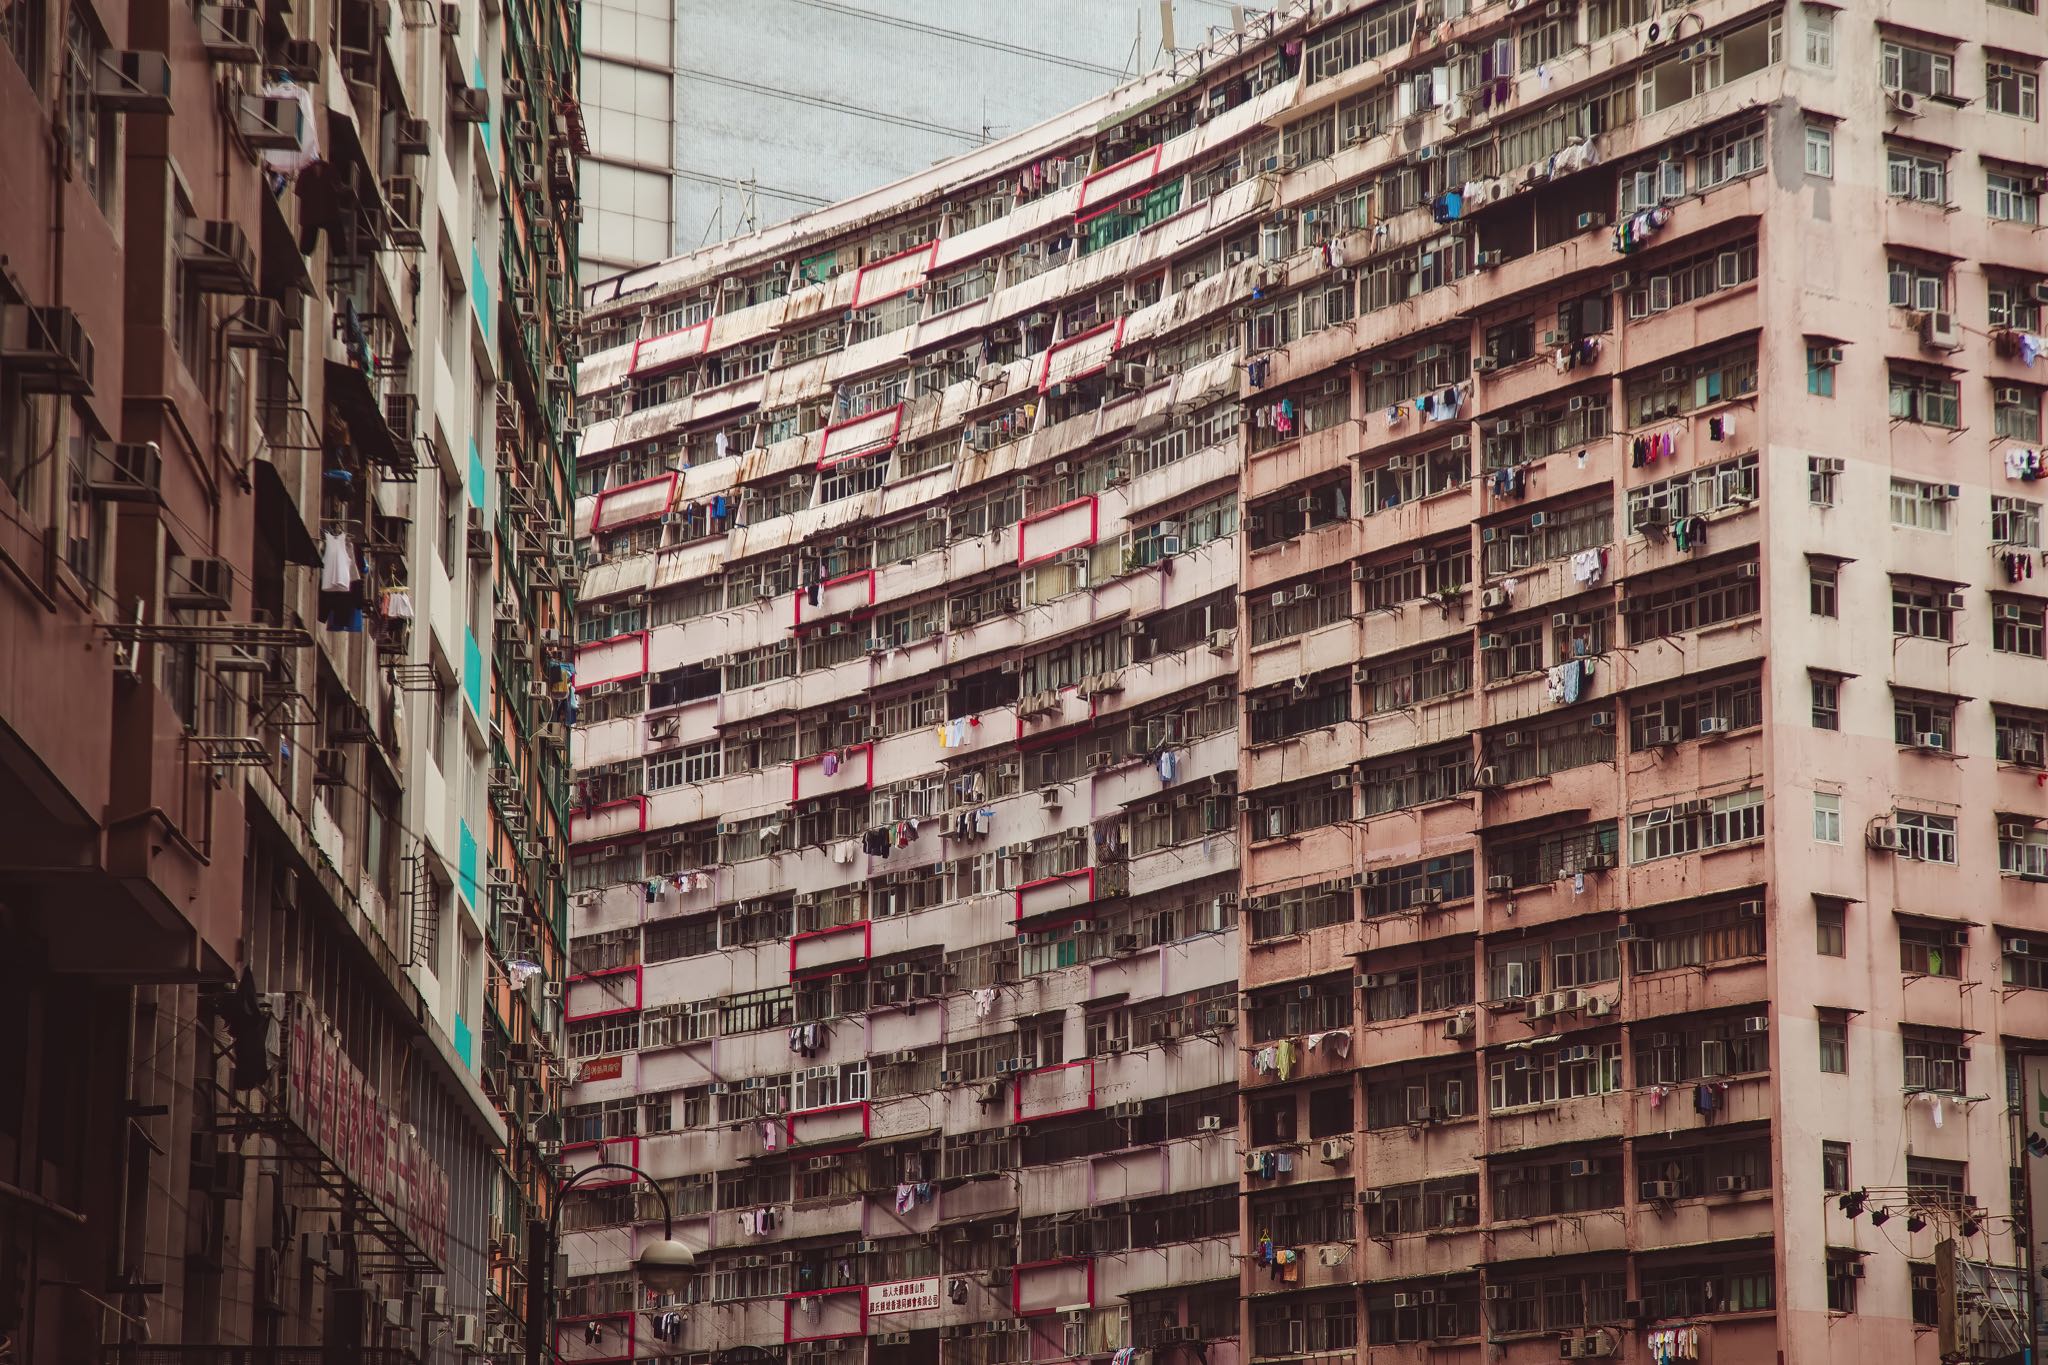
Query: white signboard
(902,1296)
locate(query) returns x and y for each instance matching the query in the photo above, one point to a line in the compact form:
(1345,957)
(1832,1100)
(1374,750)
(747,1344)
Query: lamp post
(665,1262)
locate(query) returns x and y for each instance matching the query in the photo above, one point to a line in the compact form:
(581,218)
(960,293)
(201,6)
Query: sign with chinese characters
(328,1099)
(602,1069)
(903,1296)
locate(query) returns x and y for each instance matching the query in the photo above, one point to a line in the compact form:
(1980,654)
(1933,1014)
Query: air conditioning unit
(1500,881)
(1713,725)
(1938,332)
(1210,1123)
(463,1331)
(1659,1190)
(1887,838)
(1460,1025)
(1933,741)
(1905,103)
(1484,364)
(198,584)
(469,104)
(133,83)
(47,348)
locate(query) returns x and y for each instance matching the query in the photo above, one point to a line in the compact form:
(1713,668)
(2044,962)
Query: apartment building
(273,809)
(711,119)
(1377,699)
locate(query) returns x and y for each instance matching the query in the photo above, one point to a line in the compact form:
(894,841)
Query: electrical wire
(830,106)
(955,35)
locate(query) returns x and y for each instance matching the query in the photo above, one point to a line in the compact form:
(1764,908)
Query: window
(1929,1181)
(1834,1167)
(1921,176)
(1917,69)
(1923,720)
(1697,712)
(1934,1063)
(1834,1047)
(1922,396)
(1817,23)
(2015,521)
(2017,627)
(21,29)
(2009,303)
(94,146)
(2022,735)
(1820,150)
(1929,838)
(1844,1274)
(1926,1282)
(1668,831)
(2012,195)
(1820,382)
(2023,852)
(1823,472)
(1823,580)
(2016,412)
(1911,284)
(1831,928)
(1924,610)
(2010,88)
(1827,817)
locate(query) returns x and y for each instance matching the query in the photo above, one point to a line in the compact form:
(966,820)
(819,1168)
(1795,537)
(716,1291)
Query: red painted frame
(1045,369)
(1082,206)
(597,521)
(632,1335)
(867,951)
(1088,872)
(1017,1284)
(632,1158)
(867,1124)
(1094,528)
(797,597)
(789,1307)
(640,801)
(633,361)
(639,974)
(826,459)
(931,252)
(641,671)
(1017,1093)
(867,783)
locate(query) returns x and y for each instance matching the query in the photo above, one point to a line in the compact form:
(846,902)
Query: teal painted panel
(463,1049)
(466,863)
(479,287)
(473,673)
(476,475)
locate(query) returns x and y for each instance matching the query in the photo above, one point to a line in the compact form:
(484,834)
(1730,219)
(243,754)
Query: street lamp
(665,1264)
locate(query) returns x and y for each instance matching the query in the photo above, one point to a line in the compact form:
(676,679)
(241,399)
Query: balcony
(1697,1222)
(1048,1286)
(1428,1255)
(830,1125)
(823,1314)
(1585,1119)
(1671,1109)
(823,952)
(1542,1238)
(1328,1053)
(1418,1036)
(1053,1091)
(1690,990)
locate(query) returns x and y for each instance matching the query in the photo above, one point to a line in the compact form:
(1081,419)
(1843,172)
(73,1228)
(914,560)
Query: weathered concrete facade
(1428,623)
